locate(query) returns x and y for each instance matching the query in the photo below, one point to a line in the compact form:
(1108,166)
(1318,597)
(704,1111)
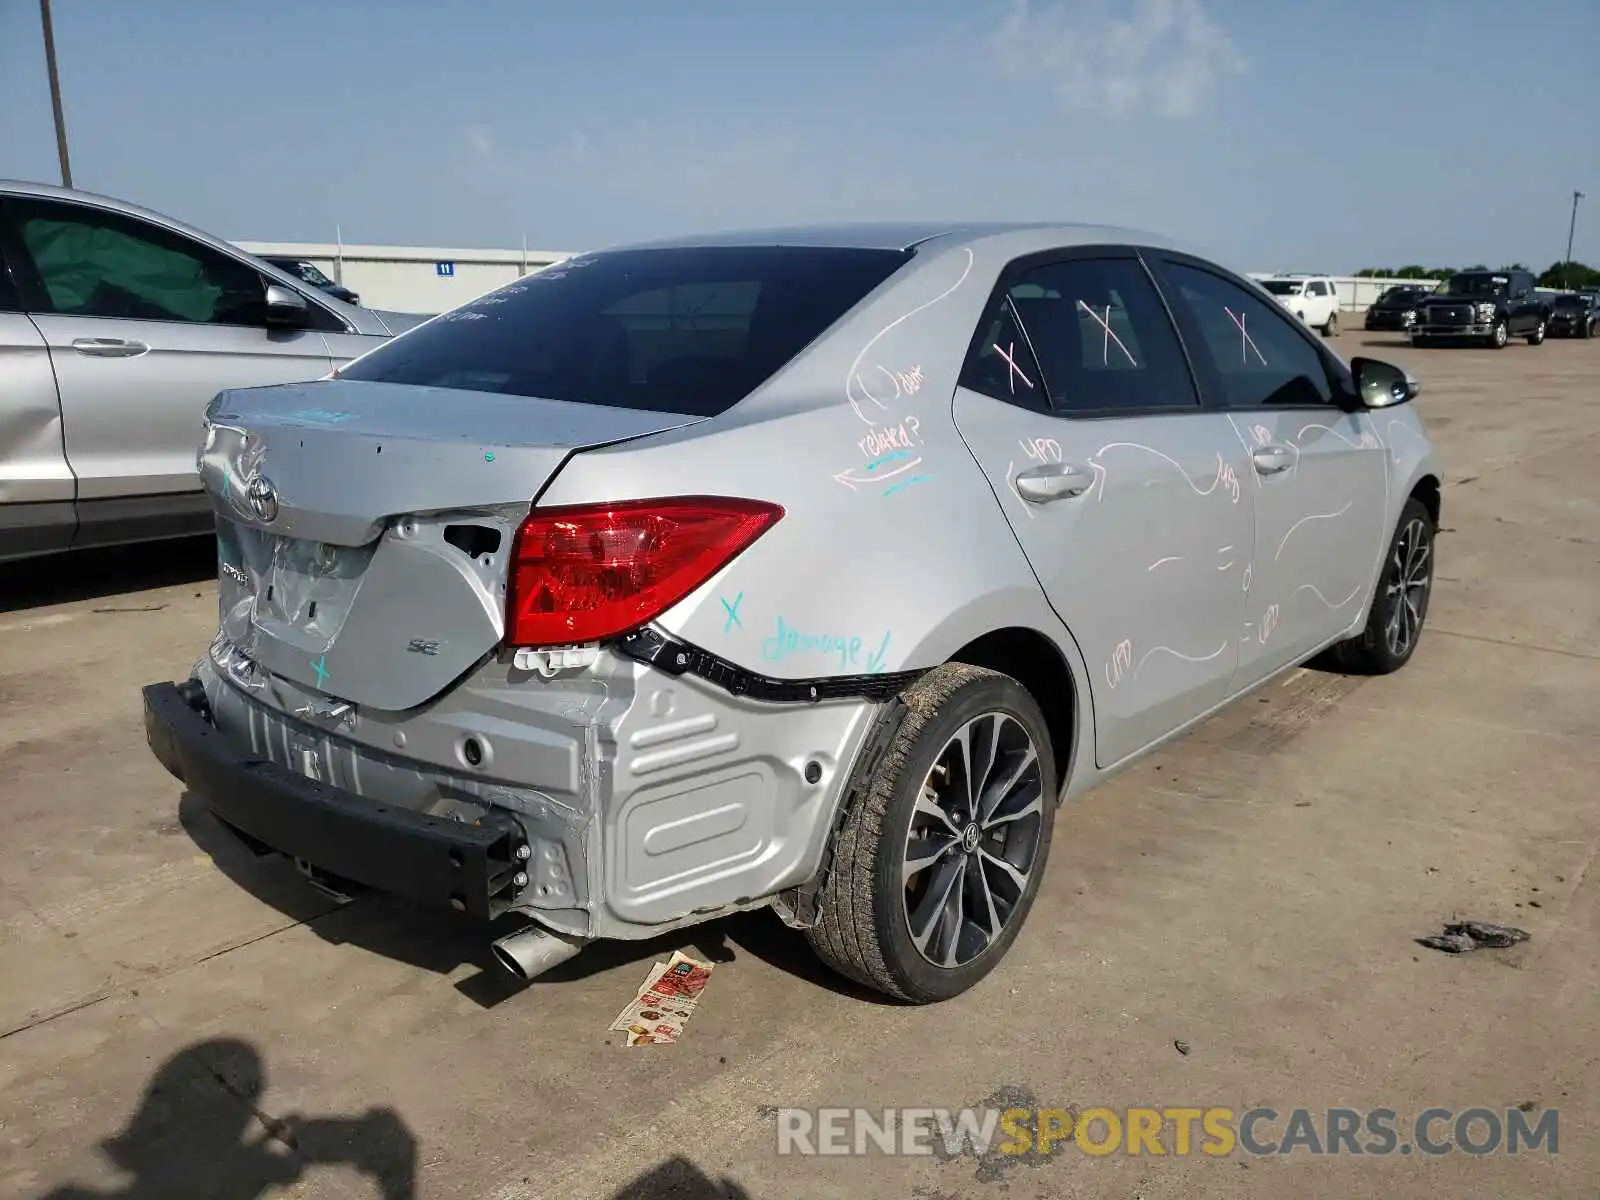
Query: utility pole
(1566,263)
(55,92)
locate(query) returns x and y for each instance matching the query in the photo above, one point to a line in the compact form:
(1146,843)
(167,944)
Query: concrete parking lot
(178,1017)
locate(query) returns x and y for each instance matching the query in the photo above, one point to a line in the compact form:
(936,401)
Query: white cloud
(1161,56)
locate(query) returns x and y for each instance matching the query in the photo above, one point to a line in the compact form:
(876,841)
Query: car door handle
(1271,459)
(109,347)
(1053,481)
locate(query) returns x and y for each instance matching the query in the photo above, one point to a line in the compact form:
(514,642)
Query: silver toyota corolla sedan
(117,326)
(809,569)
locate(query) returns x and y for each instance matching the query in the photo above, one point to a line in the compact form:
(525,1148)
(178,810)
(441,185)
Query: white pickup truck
(1312,298)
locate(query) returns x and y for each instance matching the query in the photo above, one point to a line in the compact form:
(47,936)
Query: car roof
(907,235)
(49,191)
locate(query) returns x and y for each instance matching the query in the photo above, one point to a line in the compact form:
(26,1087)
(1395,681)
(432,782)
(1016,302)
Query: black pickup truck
(1487,307)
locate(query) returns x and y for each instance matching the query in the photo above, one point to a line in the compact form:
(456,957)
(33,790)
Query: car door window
(1260,357)
(1101,339)
(1316,288)
(94,263)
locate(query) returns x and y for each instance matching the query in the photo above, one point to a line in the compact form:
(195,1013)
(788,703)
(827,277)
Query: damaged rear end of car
(424,682)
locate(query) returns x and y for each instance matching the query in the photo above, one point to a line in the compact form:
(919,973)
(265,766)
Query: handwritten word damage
(845,649)
(886,438)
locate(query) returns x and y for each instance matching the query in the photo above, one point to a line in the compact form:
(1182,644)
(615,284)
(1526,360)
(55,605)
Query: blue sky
(1277,135)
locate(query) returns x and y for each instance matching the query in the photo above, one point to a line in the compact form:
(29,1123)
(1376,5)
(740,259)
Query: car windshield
(1569,302)
(1283,287)
(687,330)
(1475,285)
(313,276)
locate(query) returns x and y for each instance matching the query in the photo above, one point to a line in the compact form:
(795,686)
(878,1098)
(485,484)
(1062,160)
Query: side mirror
(1381,384)
(286,308)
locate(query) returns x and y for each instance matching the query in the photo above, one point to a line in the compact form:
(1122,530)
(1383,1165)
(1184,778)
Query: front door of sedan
(1125,495)
(145,326)
(1316,474)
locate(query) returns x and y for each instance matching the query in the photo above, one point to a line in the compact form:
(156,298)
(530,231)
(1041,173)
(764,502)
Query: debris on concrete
(665,1002)
(1460,937)
(1181,1046)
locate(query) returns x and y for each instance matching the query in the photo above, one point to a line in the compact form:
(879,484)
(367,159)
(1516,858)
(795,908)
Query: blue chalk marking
(875,661)
(733,613)
(320,666)
(905,483)
(315,416)
(884,458)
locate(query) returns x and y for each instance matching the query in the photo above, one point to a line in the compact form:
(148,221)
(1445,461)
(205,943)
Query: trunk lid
(364,529)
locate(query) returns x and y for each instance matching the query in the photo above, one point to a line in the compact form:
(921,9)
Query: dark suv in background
(1396,308)
(1489,307)
(1575,314)
(309,272)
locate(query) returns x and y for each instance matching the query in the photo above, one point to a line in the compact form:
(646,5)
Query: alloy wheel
(1410,575)
(973,841)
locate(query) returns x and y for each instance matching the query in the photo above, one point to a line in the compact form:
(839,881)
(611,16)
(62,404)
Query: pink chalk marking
(1011,363)
(1245,338)
(1105,349)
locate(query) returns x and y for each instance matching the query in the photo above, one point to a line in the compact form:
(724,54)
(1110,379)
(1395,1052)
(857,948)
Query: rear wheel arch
(1038,664)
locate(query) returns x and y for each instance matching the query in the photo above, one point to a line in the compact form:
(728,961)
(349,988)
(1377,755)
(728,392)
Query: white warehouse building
(418,279)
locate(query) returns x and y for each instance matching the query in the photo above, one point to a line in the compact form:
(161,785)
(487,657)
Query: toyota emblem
(263,499)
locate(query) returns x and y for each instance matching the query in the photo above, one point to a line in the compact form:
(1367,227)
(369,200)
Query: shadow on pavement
(439,942)
(680,1179)
(201,1131)
(96,574)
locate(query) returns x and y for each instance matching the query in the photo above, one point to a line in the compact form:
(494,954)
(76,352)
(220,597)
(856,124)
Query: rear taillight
(587,572)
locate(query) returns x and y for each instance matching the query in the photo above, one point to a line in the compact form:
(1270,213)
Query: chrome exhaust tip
(533,950)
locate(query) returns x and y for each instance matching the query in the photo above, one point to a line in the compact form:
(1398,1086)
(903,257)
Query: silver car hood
(364,529)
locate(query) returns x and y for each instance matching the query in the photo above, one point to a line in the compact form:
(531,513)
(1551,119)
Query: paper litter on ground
(665,1001)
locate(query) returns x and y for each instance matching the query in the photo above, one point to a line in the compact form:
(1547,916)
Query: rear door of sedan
(144,326)
(1125,494)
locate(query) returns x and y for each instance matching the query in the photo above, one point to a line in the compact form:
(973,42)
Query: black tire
(1536,338)
(1331,329)
(1500,336)
(1588,329)
(1374,651)
(863,929)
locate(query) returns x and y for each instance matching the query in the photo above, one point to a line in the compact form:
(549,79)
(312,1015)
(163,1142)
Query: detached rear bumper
(473,868)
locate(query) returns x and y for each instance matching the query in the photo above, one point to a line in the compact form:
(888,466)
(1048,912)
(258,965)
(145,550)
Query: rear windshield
(690,330)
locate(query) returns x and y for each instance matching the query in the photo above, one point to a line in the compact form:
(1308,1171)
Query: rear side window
(688,330)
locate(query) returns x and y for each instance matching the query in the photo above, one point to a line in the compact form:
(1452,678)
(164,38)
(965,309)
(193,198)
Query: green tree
(1569,275)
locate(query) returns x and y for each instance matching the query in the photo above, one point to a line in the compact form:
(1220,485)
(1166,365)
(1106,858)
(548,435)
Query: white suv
(1312,298)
